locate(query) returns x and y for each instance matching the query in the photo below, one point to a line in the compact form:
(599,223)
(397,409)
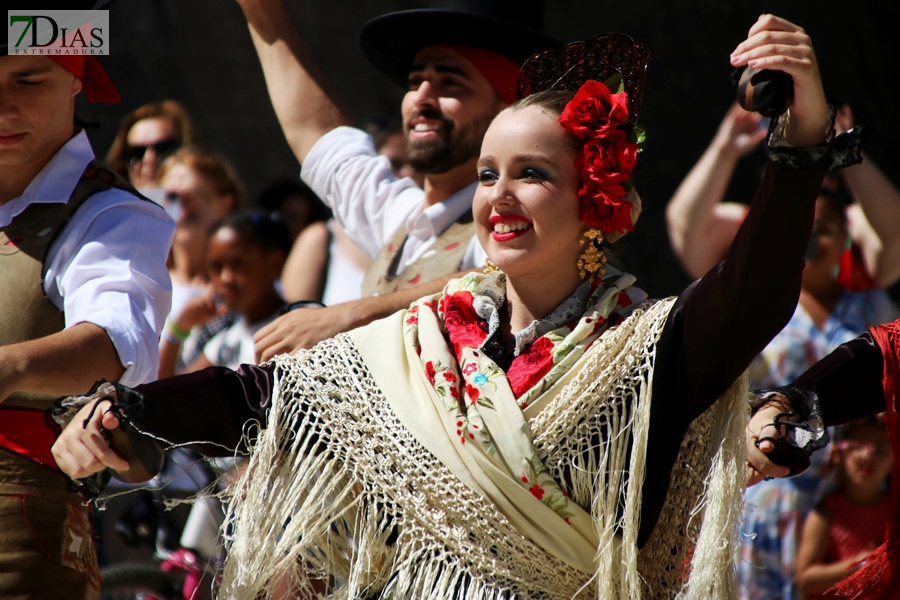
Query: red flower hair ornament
(611,144)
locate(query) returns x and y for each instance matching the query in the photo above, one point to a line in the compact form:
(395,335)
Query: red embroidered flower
(600,322)
(430,372)
(470,368)
(454,391)
(473,392)
(537,491)
(623,299)
(448,376)
(461,321)
(414,308)
(594,110)
(529,368)
(412,320)
(524,479)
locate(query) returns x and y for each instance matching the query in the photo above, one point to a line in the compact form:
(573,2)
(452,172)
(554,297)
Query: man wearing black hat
(459,64)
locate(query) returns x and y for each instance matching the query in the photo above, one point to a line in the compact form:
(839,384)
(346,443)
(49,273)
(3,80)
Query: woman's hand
(82,451)
(761,426)
(779,45)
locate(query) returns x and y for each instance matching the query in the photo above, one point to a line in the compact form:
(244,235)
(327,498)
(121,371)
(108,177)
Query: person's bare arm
(68,362)
(303,275)
(701,227)
(880,203)
(306,327)
(196,312)
(814,576)
(303,101)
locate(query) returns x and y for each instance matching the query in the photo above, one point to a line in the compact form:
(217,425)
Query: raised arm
(878,232)
(701,227)
(738,306)
(303,101)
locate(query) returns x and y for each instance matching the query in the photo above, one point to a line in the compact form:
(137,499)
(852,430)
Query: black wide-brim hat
(511,28)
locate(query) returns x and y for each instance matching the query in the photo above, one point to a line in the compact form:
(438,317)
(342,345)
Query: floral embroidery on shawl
(485,404)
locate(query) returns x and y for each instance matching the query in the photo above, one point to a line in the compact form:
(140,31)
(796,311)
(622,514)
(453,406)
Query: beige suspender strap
(442,259)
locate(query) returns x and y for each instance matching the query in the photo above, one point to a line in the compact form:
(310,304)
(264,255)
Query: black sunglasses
(162,148)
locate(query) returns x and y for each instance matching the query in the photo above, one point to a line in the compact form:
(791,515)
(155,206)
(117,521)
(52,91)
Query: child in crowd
(245,255)
(850,522)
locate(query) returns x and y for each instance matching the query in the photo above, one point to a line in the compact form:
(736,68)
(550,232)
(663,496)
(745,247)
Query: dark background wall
(200,53)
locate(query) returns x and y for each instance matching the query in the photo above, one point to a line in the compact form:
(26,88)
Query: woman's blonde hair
(164,109)
(215,169)
(554,101)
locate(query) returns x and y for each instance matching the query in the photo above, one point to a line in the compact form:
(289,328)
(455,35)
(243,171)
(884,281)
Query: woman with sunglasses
(146,137)
(498,439)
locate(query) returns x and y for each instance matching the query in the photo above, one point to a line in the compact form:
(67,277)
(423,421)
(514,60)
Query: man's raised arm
(303,102)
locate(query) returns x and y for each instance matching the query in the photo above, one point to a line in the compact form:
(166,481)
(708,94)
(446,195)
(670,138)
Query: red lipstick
(508,227)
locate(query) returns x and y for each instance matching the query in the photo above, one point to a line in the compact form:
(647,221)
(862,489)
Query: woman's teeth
(511,226)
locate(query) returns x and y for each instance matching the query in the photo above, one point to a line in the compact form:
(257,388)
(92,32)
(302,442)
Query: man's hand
(303,328)
(761,425)
(739,133)
(779,45)
(82,451)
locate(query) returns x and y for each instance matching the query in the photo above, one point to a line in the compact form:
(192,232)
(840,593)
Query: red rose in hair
(461,321)
(604,209)
(593,110)
(608,159)
(530,367)
(430,372)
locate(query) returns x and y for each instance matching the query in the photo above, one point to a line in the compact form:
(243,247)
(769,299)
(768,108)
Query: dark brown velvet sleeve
(723,320)
(848,381)
(214,405)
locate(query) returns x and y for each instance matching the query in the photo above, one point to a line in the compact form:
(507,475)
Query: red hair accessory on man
(94,80)
(611,143)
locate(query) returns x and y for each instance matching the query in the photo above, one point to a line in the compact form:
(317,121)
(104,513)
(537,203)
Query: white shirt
(108,266)
(371,203)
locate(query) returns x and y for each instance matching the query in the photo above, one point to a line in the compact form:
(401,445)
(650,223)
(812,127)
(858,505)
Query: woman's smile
(508,227)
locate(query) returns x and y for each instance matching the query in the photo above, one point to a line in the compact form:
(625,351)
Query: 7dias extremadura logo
(58,32)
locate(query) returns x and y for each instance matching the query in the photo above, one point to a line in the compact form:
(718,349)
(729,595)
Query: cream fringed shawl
(354,481)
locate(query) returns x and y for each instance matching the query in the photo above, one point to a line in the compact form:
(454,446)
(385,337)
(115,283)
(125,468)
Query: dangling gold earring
(593,258)
(489,266)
